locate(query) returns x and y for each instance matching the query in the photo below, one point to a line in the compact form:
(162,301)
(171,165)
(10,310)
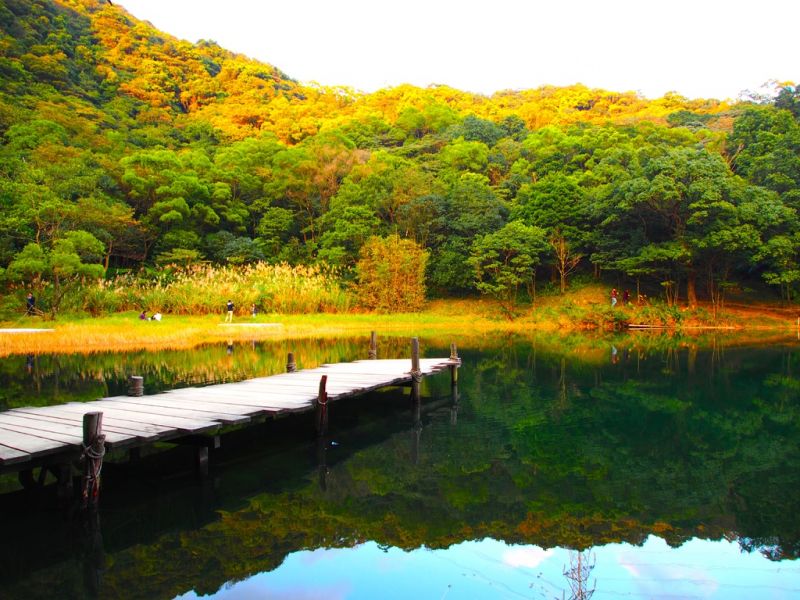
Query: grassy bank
(584,310)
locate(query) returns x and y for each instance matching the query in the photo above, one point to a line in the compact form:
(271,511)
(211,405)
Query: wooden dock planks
(130,421)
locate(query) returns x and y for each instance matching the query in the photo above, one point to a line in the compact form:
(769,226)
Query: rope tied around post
(92,455)
(93,449)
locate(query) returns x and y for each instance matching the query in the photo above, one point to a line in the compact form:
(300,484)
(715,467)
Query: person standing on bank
(229,308)
(613,297)
(30,303)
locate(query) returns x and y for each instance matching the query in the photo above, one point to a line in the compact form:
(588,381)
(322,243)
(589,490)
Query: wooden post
(373,346)
(416,373)
(454,407)
(201,460)
(94,558)
(454,367)
(135,385)
(321,415)
(93,451)
(291,366)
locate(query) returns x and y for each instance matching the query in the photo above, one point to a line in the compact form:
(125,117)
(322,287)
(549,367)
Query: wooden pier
(53,437)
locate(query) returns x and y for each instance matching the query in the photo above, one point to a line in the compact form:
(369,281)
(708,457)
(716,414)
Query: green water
(548,451)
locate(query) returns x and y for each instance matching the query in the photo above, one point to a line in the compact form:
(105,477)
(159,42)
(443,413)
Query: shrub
(391,274)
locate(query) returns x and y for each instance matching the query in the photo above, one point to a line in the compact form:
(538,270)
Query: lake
(642,466)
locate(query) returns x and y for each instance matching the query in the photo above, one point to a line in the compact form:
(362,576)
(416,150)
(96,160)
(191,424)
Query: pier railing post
(373,346)
(135,385)
(291,366)
(321,414)
(93,451)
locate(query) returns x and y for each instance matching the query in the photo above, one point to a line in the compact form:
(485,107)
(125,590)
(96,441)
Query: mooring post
(94,449)
(291,366)
(454,367)
(373,346)
(135,385)
(321,405)
(455,362)
(94,558)
(416,373)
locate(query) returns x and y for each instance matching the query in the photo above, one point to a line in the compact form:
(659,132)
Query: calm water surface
(641,467)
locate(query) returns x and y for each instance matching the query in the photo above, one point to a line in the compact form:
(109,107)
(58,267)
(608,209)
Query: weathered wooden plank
(192,411)
(224,412)
(34,423)
(292,385)
(142,431)
(30,444)
(62,438)
(178,423)
(257,401)
(10,456)
(239,393)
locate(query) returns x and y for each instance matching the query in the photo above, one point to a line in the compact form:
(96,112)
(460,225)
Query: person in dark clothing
(30,303)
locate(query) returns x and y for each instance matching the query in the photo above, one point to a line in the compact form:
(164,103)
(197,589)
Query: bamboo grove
(123,149)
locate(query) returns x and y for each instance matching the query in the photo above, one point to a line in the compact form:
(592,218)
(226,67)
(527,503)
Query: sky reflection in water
(492,569)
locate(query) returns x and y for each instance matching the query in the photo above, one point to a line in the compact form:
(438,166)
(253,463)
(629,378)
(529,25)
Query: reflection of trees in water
(58,378)
(629,454)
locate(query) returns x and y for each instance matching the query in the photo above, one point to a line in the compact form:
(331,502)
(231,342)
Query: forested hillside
(122,147)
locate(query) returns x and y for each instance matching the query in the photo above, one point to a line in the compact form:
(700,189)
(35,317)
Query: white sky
(699,48)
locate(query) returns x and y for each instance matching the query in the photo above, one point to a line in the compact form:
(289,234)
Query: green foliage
(171,152)
(506,260)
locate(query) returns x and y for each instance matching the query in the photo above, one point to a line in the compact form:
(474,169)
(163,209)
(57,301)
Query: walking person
(30,304)
(613,297)
(229,308)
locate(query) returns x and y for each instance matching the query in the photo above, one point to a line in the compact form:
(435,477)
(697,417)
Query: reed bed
(204,290)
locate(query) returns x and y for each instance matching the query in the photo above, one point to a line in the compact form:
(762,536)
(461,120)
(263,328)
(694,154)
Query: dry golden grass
(441,319)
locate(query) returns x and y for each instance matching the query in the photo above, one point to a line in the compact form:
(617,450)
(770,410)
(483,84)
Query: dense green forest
(123,148)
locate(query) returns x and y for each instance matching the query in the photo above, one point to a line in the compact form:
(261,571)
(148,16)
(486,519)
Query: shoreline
(462,319)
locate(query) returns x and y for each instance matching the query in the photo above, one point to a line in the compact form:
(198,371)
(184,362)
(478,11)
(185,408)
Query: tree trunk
(691,291)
